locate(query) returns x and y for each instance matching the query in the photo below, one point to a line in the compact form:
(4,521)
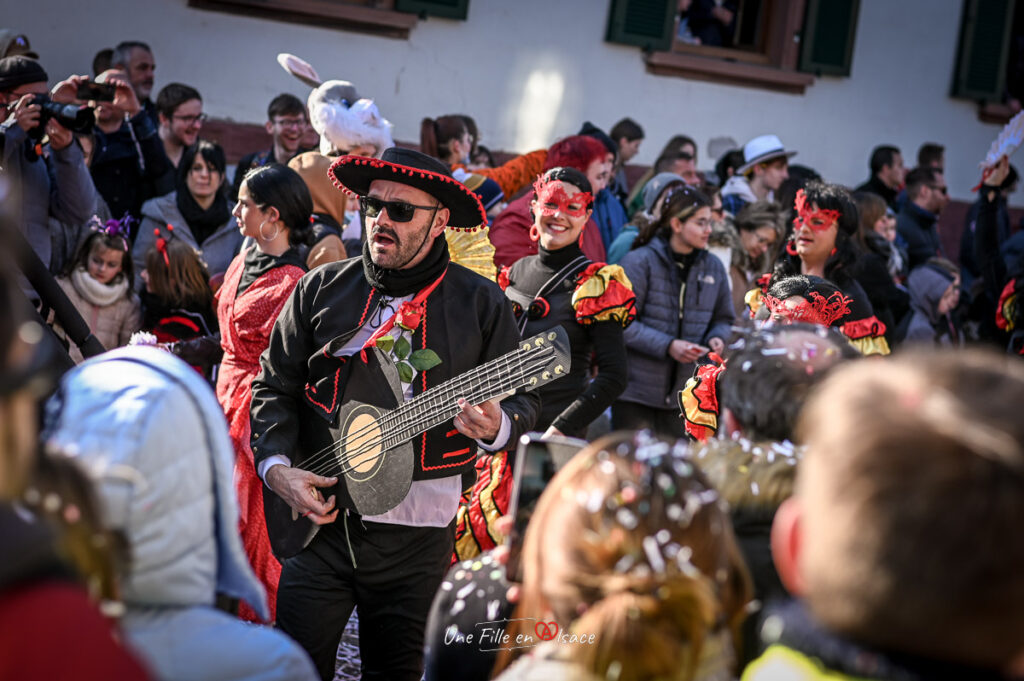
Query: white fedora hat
(761,149)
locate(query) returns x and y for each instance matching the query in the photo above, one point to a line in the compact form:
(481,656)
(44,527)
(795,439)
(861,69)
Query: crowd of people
(317,374)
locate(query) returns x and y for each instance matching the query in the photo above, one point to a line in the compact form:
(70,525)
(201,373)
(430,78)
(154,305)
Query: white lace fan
(1006,143)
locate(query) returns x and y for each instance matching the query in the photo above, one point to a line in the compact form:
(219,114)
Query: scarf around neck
(400,283)
(202,222)
(94,292)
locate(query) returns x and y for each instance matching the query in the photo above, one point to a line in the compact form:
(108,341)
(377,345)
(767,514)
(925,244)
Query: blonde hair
(913,496)
(631,533)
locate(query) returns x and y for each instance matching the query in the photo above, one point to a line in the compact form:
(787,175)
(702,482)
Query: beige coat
(113,324)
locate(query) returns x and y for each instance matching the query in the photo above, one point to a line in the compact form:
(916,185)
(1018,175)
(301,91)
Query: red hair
(578,152)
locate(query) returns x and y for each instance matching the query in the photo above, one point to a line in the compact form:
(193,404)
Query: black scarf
(400,283)
(203,223)
(257,263)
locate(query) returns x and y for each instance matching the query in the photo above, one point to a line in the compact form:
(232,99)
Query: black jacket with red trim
(468,322)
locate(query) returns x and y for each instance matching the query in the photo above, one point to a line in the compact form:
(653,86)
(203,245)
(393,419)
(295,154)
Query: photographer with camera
(52,177)
(128,156)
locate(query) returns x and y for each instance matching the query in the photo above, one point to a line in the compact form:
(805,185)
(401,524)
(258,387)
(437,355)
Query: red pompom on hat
(354,174)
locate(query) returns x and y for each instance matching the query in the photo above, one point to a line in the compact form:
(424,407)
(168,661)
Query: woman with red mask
(510,232)
(822,244)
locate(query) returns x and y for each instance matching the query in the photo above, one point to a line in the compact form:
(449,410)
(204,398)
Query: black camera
(75,118)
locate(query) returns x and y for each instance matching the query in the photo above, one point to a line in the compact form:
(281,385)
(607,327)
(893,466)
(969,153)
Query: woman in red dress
(273,211)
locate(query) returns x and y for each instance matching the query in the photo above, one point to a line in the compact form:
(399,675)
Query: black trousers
(395,572)
(633,416)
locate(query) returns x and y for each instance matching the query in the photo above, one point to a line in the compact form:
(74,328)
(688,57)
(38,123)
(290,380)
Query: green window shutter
(449,9)
(984,48)
(644,23)
(830,27)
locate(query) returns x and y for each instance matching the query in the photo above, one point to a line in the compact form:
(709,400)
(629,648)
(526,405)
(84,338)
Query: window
(990,58)
(388,18)
(772,44)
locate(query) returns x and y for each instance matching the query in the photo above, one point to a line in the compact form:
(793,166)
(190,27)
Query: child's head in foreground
(905,532)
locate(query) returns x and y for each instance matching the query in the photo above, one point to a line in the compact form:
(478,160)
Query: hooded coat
(151,432)
(927,286)
(217,250)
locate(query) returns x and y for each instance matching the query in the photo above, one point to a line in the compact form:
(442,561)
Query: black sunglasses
(399,211)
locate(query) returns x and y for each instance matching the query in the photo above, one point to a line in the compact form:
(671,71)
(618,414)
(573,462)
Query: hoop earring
(791,248)
(534,232)
(263,236)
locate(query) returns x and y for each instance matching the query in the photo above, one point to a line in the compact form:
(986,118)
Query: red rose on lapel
(409,315)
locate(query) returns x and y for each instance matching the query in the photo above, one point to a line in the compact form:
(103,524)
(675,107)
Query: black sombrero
(353,174)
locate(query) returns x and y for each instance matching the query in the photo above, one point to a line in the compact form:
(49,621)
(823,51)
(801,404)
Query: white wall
(531,71)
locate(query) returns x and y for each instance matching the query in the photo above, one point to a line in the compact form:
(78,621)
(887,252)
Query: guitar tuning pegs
(533,381)
(546,375)
(552,336)
(559,369)
(526,347)
(539,342)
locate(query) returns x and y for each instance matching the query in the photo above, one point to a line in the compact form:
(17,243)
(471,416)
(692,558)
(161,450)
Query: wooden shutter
(644,23)
(449,9)
(984,48)
(830,27)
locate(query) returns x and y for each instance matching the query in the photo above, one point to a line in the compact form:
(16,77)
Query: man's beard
(401,251)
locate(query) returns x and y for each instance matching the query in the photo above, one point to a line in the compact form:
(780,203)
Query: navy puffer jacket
(707,312)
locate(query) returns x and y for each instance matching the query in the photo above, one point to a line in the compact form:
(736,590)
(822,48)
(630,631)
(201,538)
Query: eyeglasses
(399,211)
(190,120)
(290,122)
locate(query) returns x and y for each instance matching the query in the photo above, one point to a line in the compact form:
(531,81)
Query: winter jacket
(113,324)
(217,251)
(150,431)
(609,215)
(654,377)
(736,193)
(126,165)
(57,185)
(917,227)
(873,185)
(927,285)
(800,649)
(889,301)
(49,628)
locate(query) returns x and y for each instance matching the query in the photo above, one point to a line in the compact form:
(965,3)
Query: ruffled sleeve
(604,293)
(1006,310)
(867,335)
(698,401)
(753,300)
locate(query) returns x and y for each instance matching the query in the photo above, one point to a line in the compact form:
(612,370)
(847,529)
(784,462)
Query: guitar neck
(433,407)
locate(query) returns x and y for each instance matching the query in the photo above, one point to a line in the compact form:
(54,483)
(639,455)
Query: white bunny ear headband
(299,68)
(340,116)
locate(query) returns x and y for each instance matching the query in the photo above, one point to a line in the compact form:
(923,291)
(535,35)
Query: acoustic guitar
(372,454)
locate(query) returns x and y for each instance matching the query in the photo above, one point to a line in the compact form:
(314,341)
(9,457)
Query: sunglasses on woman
(399,211)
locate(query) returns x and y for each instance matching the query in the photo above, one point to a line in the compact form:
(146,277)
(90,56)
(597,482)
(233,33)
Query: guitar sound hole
(362,451)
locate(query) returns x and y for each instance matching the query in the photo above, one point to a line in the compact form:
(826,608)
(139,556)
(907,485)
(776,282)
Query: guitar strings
(438,405)
(400,411)
(440,410)
(427,400)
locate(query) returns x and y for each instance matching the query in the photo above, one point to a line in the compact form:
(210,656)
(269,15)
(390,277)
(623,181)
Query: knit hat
(591,130)
(20,70)
(13,43)
(652,190)
(354,174)
(312,167)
